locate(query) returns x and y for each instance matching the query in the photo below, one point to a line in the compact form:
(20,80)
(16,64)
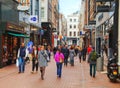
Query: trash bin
(99,64)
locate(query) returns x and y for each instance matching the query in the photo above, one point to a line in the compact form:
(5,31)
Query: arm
(18,53)
(26,52)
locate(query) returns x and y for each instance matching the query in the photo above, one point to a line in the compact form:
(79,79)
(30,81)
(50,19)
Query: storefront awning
(18,35)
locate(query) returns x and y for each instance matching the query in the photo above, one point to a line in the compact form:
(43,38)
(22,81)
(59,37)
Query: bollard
(99,64)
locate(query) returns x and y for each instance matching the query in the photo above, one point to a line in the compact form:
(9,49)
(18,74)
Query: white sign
(23,5)
(89,27)
(33,19)
(22,8)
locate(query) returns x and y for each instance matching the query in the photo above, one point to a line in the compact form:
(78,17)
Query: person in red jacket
(89,49)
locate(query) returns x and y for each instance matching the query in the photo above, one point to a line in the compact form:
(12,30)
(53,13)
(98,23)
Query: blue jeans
(59,69)
(21,64)
(92,70)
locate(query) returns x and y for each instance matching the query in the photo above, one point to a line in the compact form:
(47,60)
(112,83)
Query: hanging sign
(23,5)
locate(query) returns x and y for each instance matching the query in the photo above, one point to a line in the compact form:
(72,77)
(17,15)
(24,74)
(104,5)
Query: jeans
(21,64)
(59,69)
(92,70)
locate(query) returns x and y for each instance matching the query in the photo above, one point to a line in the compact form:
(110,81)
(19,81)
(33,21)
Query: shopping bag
(17,62)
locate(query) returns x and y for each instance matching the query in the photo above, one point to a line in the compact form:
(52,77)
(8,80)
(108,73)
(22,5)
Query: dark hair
(59,50)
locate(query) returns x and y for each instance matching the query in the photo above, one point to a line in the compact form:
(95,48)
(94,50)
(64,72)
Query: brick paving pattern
(72,77)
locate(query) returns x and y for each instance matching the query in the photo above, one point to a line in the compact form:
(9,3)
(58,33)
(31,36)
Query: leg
(43,73)
(90,69)
(37,66)
(60,71)
(33,65)
(23,65)
(57,64)
(94,70)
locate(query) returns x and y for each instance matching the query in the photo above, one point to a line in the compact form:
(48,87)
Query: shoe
(32,72)
(19,72)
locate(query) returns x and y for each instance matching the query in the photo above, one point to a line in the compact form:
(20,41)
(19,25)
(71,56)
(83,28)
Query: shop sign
(89,27)
(33,19)
(14,27)
(104,0)
(23,5)
(104,8)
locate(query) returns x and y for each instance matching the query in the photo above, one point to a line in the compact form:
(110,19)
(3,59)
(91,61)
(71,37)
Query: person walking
(42,61)
(65,52)
(34,59)
(72,55)
(80,53)
(59,58)
(22,54)
(84,52)
(92,59)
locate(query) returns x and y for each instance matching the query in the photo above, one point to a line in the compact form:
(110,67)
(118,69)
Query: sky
(68,7)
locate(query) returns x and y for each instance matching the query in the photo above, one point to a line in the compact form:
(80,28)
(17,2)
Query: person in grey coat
(72,55)
(42,60)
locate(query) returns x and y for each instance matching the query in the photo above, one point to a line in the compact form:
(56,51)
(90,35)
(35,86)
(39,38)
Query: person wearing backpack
(92,59)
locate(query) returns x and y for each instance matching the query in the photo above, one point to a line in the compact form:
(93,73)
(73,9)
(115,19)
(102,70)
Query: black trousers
(34,64)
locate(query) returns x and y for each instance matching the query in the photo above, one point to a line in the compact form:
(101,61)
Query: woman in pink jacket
(59,58)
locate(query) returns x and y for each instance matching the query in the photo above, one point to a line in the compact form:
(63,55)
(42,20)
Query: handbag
(61,60)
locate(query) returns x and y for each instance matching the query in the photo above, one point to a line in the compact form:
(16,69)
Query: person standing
(22,54)
(92,59)
(34,59)
(72,55)
(59,58)
(42,61)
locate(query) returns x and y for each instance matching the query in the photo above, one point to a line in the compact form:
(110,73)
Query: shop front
(11,37)
(35,35)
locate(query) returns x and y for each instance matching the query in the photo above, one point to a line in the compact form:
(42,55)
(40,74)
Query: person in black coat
(84,52)
(65,52)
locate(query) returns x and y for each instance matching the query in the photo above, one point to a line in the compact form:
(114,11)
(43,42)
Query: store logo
(33,19)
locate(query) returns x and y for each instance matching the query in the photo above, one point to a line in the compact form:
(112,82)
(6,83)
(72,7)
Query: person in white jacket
(22,54)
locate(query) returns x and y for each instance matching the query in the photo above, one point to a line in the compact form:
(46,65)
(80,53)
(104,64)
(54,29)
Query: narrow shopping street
(72,77)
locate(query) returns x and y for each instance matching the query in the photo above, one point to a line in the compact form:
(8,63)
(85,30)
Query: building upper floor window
(70,33)
(74,26)
(70,26)
(42,12)
(74,20)
(74,33)
(70,20)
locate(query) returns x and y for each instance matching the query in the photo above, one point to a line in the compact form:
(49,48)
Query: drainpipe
(119,36)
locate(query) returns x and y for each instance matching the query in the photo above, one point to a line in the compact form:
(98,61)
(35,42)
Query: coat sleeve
(18,53)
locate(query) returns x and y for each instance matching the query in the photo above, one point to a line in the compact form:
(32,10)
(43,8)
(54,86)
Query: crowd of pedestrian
(40,56)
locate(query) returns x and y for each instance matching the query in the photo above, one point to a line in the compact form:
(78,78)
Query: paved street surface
(72,77)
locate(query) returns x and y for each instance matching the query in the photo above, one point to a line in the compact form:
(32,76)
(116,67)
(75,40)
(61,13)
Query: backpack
(93,56)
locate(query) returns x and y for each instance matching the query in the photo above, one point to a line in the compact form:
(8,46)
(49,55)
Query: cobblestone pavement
(72,77)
